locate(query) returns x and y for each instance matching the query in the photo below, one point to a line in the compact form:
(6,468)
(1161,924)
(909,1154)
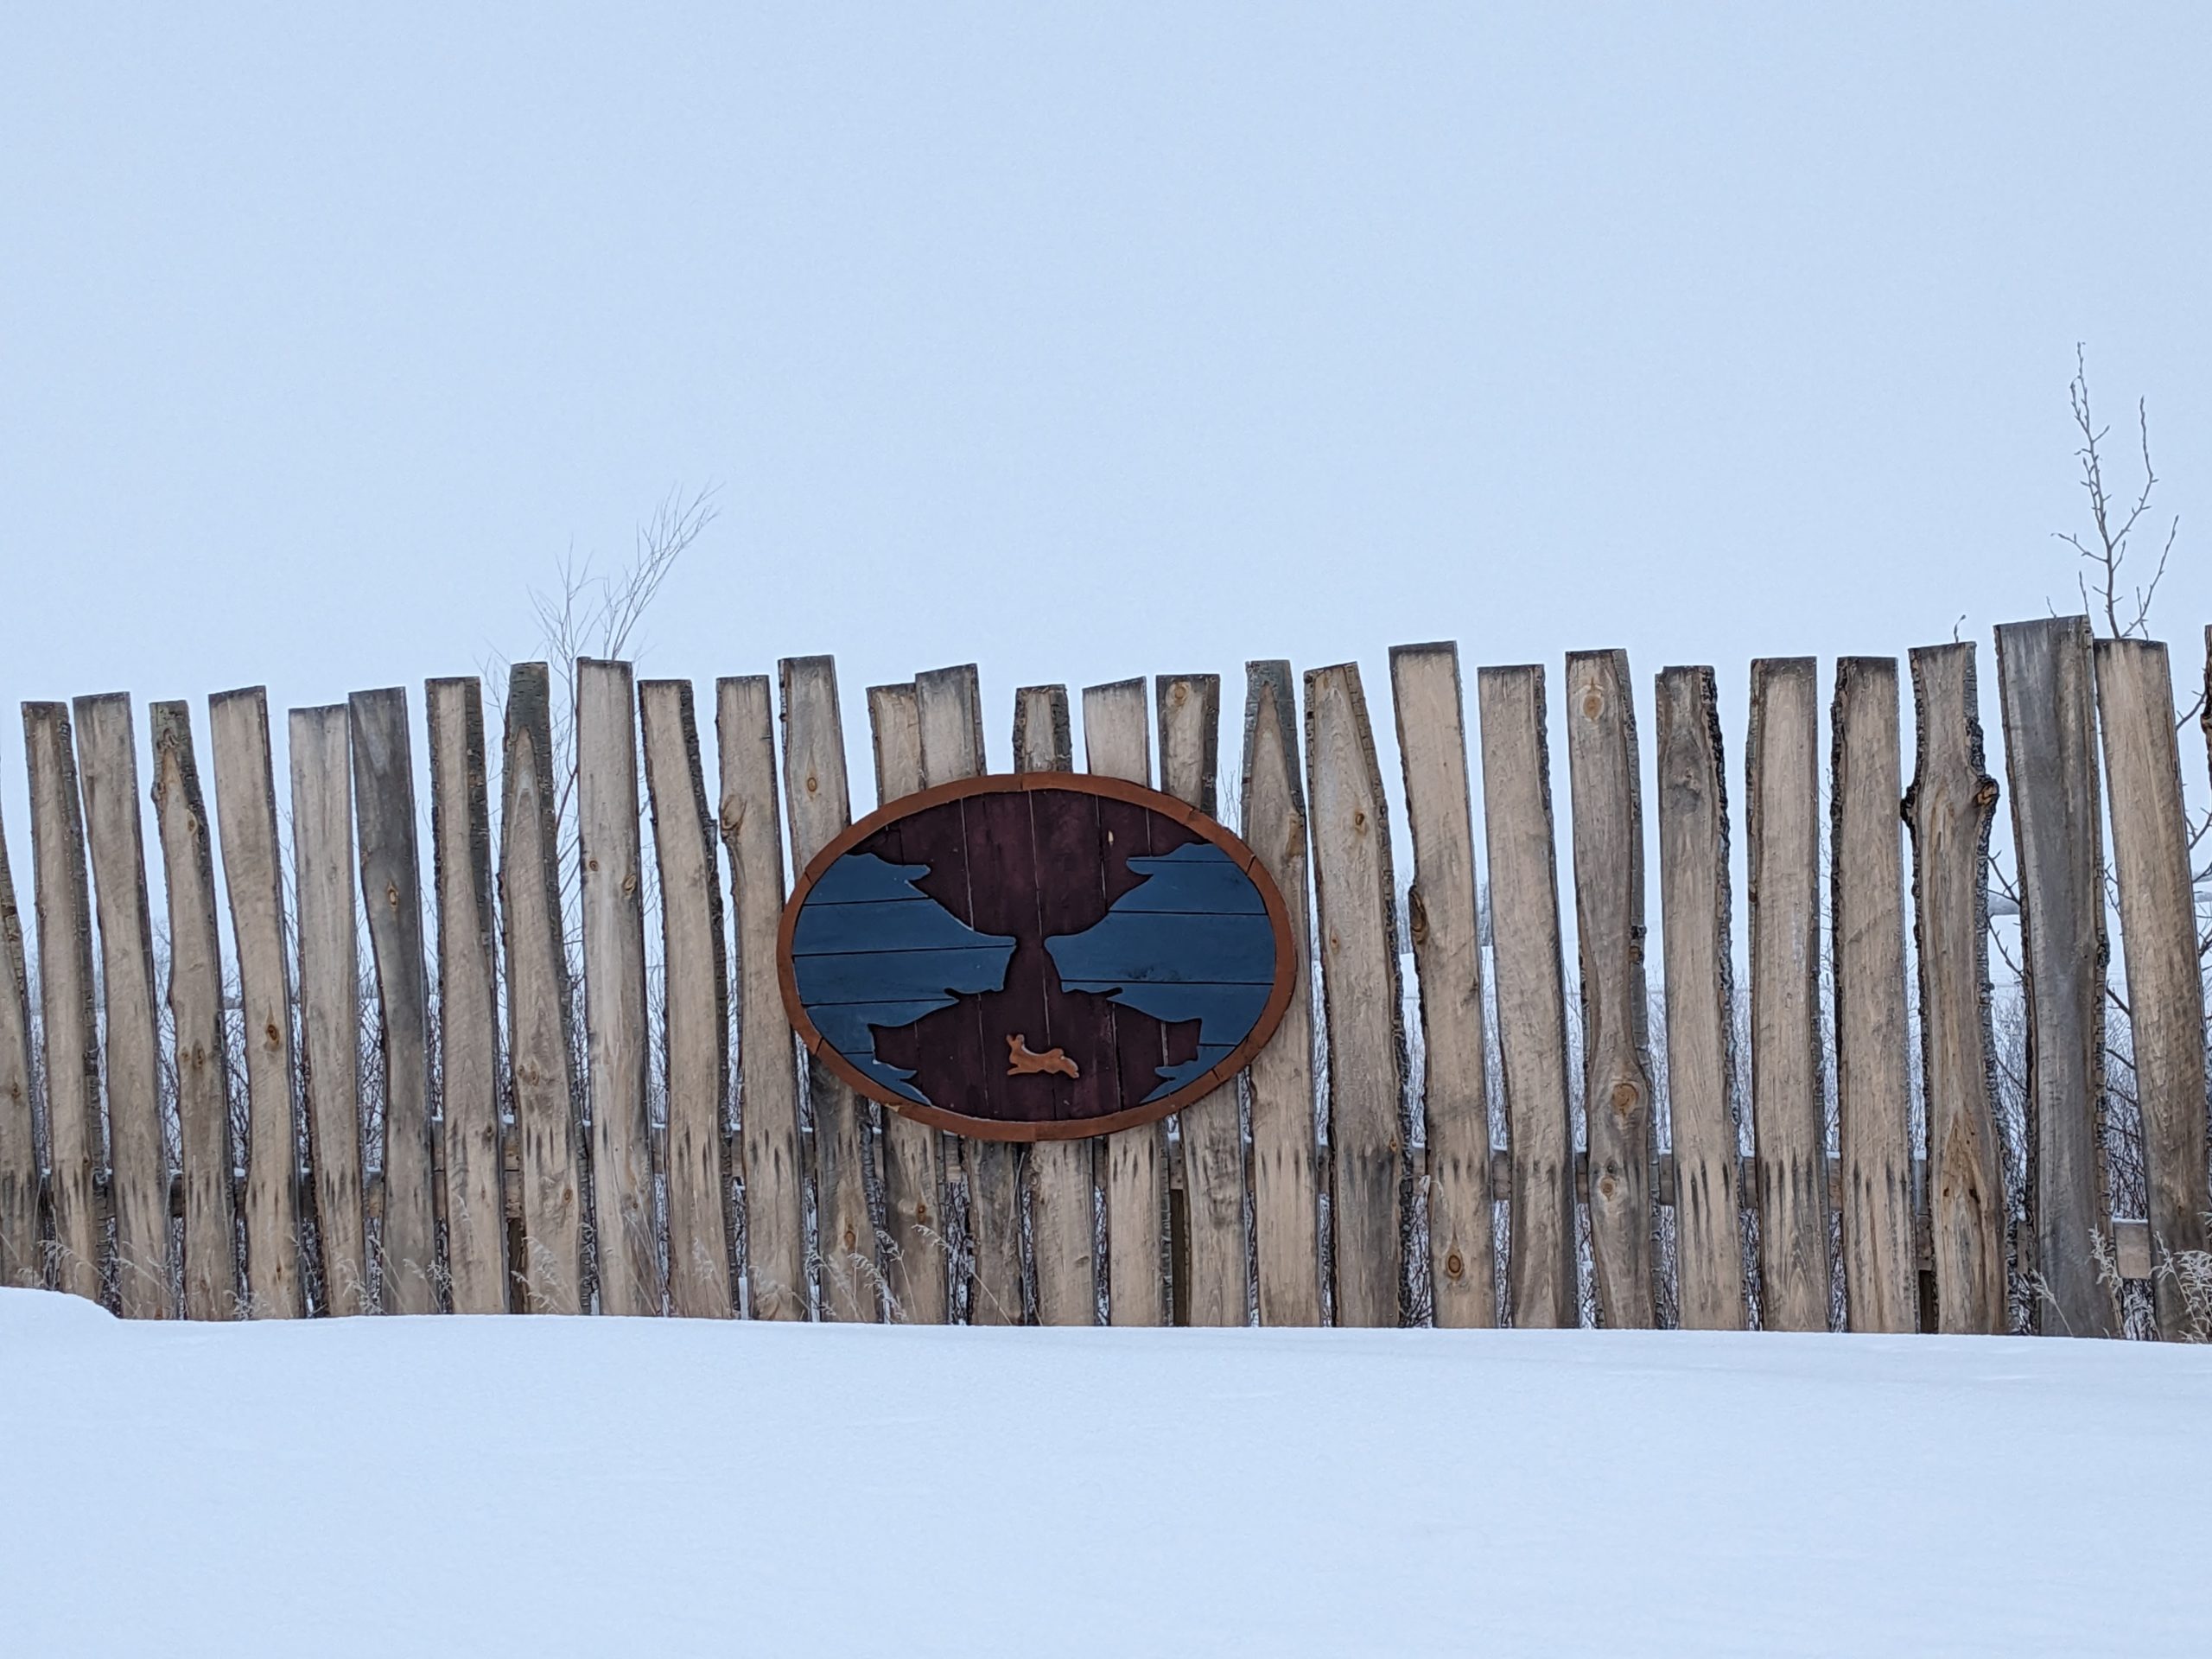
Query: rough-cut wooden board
(203,1094)
(1285,1159)
(696,966)
(1357,904)
(913,1244)
(468,1039)
(1948,810)
(1531,1001)
(23,1251)
(1212,1140)
(1604,788)
(818,806)
(615,1042)
(1783,864)
(540,1048)
(1692,812)
(2046,687)
(775,1236)
(1062,1196)
(1116,744)
(138,1175)
(1873,1091)
(1442,903)
(65,994)
(2158,911)
(391,892)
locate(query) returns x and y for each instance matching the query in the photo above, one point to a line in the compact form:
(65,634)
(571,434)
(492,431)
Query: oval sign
(1035,956)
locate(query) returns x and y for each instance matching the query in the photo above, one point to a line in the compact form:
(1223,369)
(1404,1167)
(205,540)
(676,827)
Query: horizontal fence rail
(541,1064)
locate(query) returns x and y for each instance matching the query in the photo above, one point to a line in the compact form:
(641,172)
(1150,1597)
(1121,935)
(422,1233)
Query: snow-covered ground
(646,1487)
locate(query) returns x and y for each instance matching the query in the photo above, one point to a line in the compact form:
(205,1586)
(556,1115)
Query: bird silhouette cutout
(1023,1063)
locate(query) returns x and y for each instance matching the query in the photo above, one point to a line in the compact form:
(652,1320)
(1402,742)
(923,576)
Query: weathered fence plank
(2046,689)
(1873,1091)
(775,1221)
(384,805)
(195,998)
(1783,864)
(1356,901)
(2157,930)
(1444,902)
(818,806)
(1700,1002)
(23,1251)
(138,1174)
(1948,810)
(1606,792)
(1531,1001)
(468,1041)
(540,1041)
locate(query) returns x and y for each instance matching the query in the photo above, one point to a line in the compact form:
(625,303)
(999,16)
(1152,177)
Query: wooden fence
(509,1140)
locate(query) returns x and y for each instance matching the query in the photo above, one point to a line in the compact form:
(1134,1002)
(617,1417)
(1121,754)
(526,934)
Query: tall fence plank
(1783,863)
(541,1051)
(2157,930)
(138,1175)
(695,970)
(775,1236)
(1873,1091)
(23,1251)
(1356,901)
(1444,904)
(383,806)
(1606,791)
(468,1041)
(616,1045)
(195,998)
(2046,689)
(1700,1001)
(1531,1001)
(1948,810)
(1117,744)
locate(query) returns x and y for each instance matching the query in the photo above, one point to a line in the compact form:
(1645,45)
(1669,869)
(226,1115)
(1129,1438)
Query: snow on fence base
(563,1101)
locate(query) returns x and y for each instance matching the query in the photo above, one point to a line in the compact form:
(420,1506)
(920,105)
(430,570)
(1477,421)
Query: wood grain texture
(138,1174)
(1873,1092)
(1782,865)
(2158,911)
(1117,744)
(913,1246)
(60,887)
(1948,810)
(1444,903)
(195,998)
(696,962)
(1063,1194)
(1286,1171)
(817,807)
(775,1236)
(1218,1289)
(1693,907)
(1606,791)
(1355,899)
(391,893)
(1531,1000)
(2046,687)
(611,854)
(540,1034)
(22,1248)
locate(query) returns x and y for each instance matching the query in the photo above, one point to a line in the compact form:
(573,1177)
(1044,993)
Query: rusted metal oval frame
(1081,783)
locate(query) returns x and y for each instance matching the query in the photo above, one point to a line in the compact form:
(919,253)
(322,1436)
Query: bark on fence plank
(138,1175)
(23,1251)
(1873,1091)
(2045,685)
(195,998)
(1948,810)
(1531,1001)
(1444,902)
(1356,904)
